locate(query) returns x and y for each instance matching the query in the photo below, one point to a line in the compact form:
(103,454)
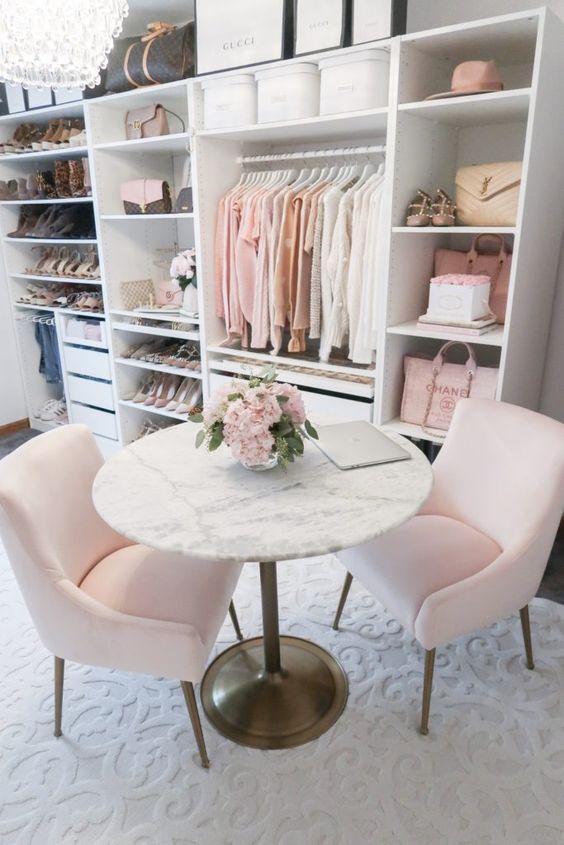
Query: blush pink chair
(478,548)
(96,598)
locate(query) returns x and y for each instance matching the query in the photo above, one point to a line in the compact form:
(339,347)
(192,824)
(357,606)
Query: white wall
(12,404)
(426,14)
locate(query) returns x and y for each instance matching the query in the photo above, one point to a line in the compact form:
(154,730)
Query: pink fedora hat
(473,78)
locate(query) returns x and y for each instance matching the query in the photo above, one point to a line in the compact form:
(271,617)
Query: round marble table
(271,691)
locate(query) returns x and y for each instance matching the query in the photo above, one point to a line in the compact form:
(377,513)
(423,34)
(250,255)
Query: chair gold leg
(427,688)
(189,695)
(59,679)
(342,600)
(526,625)
(235,621)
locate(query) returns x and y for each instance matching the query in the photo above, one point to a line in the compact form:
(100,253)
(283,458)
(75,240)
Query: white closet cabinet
(426,141)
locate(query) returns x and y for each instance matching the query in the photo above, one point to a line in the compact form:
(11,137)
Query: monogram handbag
(146,196)
(497,266)
(164,54)
(137,294)
(488,194)
(432,387)
(148,122)
(169,293)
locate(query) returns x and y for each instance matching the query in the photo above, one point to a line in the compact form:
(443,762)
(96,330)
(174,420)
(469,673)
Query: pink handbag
(169,293)
(495,265)
(433,387)
(146,196)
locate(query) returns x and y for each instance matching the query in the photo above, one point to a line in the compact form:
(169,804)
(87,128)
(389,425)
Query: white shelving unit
(426,141)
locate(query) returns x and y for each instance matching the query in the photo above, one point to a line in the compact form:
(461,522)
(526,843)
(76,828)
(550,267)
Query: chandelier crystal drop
(57,43)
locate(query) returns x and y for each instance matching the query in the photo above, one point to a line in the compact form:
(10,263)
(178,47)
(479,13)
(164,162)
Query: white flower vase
(190,300)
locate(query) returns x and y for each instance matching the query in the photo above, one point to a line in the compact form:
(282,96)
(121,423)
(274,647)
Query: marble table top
(163,492)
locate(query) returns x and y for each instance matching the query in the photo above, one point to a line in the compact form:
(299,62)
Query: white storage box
(288,93)
(458,301)
(354,82)
(230,101)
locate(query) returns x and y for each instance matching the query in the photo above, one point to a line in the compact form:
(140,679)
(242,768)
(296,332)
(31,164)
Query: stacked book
(432,323)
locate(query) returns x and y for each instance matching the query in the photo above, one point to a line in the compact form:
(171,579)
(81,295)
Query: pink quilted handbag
(433,387)
(495,265)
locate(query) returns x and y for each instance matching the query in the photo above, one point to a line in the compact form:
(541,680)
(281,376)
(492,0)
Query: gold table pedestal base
(282,709)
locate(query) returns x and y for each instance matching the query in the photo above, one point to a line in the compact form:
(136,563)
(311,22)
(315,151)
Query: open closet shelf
(453,230)
(150,409)
(156,331)
(411,329)
(42,425)
(50,201)
(65,151)
(159,368)
(95,315)
(65,280)
(170,317)
(474,110)
(174,143)
(409,430)
(171,216)
(329,127)
(292,360)
(45,113)
(58,241)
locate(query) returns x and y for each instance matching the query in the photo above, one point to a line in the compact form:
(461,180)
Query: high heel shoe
(193,398)
(168,391)
(38,269)
(42,223)
(443,209)
(180,395)
(155,390)
(419,209)
(145,389)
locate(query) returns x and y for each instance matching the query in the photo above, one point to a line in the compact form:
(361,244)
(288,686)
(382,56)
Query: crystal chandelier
(57,43)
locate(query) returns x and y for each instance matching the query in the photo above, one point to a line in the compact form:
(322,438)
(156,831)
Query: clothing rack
(305,154)
(37,318)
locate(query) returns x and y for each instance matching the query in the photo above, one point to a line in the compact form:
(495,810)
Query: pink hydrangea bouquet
(260,420)
(183,268)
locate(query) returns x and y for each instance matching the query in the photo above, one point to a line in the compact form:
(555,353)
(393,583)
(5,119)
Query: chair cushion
(140,581)
(406,565)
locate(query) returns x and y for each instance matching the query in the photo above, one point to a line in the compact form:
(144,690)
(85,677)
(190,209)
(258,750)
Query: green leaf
(197,418)
(310,430)
(200,437)
(215,441)
(282,399)
(233,396)
(284,428)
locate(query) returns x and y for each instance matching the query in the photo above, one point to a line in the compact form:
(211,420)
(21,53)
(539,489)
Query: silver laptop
(357,444)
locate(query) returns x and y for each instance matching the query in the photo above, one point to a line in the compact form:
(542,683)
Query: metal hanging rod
(36,318)
(305,154)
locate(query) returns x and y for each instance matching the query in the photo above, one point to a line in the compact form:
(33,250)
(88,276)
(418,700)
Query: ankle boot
(62,179)
(45,185)
(76,178)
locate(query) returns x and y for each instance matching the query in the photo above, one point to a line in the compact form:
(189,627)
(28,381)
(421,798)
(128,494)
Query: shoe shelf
(171,216)
(58,241)
(50,201)
(66,280)
(96,315)
(453,230)
(173,143)
(150,409)
(294,375)
(473,110)
(170,317)
(67,151)
(156,331)
(494,337)
(289,361)
(45,113)
(160,368)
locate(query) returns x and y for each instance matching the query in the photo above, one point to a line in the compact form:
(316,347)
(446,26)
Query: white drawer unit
(87,362)
(99,422)
(342,407)
(90,392)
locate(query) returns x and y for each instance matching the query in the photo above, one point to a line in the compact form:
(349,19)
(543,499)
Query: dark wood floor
(552,586)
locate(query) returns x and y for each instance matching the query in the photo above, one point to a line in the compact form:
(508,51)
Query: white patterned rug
(125,772)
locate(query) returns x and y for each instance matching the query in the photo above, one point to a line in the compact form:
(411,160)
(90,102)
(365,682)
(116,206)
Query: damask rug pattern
(125,772)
